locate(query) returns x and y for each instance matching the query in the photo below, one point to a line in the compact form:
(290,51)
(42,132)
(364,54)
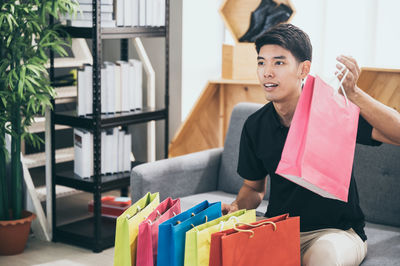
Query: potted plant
(26,37)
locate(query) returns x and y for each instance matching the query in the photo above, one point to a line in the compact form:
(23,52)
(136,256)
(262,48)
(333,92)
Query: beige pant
(332,247)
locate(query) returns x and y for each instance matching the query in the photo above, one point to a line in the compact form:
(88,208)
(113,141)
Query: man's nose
(268,72)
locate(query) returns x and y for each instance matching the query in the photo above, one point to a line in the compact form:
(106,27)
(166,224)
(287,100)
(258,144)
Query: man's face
(279,73)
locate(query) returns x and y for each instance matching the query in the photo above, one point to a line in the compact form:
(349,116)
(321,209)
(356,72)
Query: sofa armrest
(177,177)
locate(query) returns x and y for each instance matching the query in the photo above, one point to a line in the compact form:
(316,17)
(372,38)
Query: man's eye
(260,63)
(278,63)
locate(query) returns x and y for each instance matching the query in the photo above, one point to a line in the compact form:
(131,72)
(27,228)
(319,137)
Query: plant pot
(14,234)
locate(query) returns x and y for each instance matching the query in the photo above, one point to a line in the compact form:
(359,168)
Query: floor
(38,252)
(43,253)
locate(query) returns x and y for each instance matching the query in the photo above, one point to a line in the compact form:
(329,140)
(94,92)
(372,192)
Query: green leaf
(10,24)
(9,39)
(1,19)
(29,86)
(31,79)
(35,69)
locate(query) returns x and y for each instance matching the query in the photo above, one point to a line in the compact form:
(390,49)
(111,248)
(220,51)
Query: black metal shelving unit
(97,232)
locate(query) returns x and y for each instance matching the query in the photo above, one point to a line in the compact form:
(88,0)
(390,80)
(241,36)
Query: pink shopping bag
(148,231)
(319,149)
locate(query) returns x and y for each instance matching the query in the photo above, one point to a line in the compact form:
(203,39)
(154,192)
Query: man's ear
(305,67)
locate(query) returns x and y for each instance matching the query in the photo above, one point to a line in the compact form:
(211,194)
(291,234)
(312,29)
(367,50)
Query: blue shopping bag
(172,233)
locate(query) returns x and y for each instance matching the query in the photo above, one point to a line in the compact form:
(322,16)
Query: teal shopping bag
(172,233)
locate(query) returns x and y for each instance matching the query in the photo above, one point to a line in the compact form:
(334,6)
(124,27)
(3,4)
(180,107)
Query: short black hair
(289,37)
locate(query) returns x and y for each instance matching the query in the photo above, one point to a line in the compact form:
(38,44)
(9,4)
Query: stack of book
(121,87)
(115,152)
(132,13)
(84,16)
(111,206)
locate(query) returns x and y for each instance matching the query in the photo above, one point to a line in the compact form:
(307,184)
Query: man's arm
(384,120)
(249,197)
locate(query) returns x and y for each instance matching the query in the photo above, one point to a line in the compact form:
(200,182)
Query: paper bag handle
(341,82)
(252,225)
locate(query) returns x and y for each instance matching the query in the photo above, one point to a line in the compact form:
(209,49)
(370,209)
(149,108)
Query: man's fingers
(354,62)
(350,64)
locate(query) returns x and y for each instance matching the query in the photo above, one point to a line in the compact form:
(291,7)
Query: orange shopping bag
(274,241)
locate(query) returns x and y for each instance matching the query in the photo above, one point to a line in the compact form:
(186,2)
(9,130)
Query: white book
(119,12)
(142,12)
(103,153)
(124,85)
(157,13)
(89,90)
(103,85)
(81,108)
(117,87)
(132,103)
(108,150)
(85,90)
(88,8)
(127,152)
(103,2)
(121,144)
(127,13)
(110,93)
(114,151)
(162,17)
(138,90)
(135,12)
(83,153)
(149,12)
(89,23)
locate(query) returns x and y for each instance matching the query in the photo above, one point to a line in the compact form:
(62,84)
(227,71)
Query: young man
(332,232)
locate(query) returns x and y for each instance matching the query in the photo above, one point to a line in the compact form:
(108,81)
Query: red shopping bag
(148,231)
(319,149)
(274,241)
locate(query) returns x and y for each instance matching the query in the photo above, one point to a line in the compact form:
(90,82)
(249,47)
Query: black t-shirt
(261,145)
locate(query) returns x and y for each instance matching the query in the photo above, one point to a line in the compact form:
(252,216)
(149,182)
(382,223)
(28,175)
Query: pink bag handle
(341,82)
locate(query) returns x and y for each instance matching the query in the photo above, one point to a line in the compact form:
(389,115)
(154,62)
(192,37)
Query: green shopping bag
(198,239)
(128,228)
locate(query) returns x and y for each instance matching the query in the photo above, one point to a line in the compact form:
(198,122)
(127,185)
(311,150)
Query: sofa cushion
(383,245)
(213,196)
(229,181)
(377,173)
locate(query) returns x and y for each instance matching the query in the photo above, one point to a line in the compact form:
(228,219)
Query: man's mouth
(270,86)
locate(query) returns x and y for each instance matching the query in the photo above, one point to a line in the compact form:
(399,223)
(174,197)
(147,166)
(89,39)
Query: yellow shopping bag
(128,228)
(198,239)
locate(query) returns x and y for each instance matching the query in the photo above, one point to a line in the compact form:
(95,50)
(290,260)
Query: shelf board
(39,124)
(108,182)
(117,32)
(61,191)
(70,118)
(81,233)
(39,159)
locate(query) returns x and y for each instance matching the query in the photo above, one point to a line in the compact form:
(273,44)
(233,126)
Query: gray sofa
(211,175)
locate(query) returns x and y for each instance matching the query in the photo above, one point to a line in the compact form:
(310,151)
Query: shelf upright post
(124,49)
(166,140)
(52,152)
(97,56)
(124,57)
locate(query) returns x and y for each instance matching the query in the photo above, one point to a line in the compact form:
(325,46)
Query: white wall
(202,38)
(368,30)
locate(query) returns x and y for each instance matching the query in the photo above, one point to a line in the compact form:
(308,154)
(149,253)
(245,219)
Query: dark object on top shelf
(257,19)
(64,80)
(117,32)
(265,16)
